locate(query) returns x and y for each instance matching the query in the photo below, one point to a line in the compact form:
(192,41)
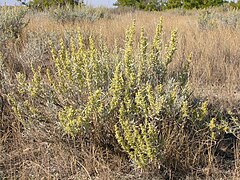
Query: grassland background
(215,72)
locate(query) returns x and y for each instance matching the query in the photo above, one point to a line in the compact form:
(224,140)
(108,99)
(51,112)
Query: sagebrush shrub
(206,20)
(36,48)
(127,98)
(46,4)
(12,22)
(79,13)
(211,18)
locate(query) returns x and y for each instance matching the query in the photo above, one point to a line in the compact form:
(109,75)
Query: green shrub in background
(235,4)
(126,98)
(12,22)
(46,4)
(170,4)
(206,20)
(224,17)
(78,13)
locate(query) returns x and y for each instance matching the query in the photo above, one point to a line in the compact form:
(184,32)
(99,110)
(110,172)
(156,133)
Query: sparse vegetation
(211,18)
(12,22)
(171,4)
(79,13)
(126,97)
(46,4)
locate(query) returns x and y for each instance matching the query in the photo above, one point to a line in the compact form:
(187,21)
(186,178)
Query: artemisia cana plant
(126,97)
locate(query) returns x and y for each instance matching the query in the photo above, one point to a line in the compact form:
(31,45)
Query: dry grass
(215,73)
(46,154)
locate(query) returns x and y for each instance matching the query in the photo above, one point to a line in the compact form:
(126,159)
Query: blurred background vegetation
(148,5)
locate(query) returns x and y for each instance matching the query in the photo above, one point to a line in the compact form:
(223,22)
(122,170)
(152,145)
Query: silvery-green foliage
(206,20)
(211,18)
(12,22)
(79,13)
(36,50)
(231,19)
